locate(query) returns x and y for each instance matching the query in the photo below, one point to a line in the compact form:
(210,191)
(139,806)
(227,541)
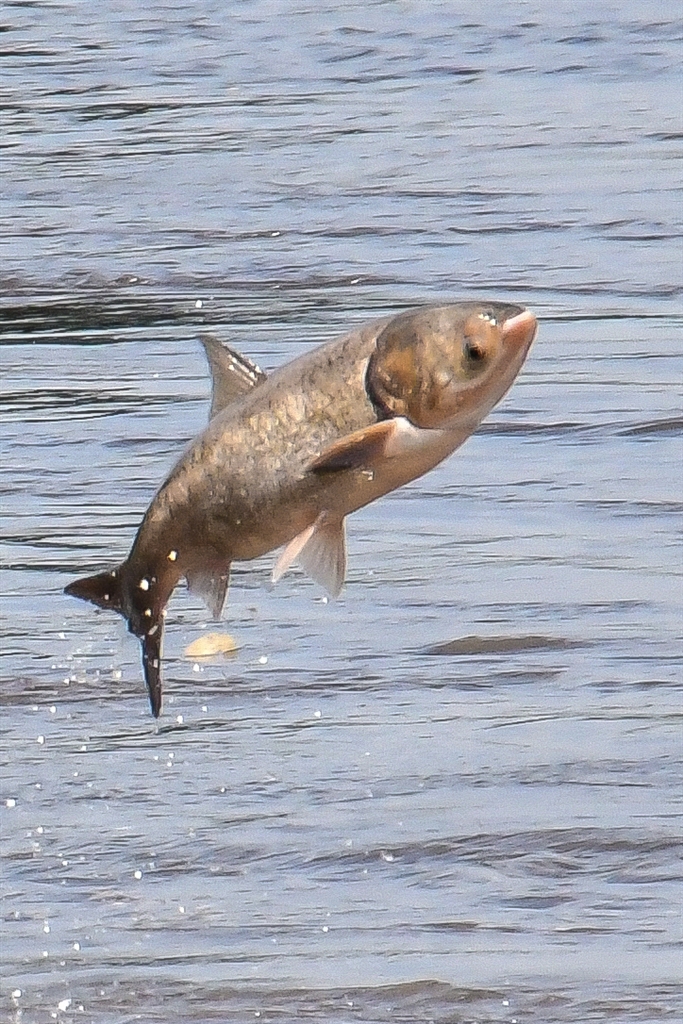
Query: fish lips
(519,331)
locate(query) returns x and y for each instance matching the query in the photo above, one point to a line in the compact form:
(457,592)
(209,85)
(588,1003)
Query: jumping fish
(286,457)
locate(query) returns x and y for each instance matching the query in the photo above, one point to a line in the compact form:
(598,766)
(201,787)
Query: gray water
(453,795)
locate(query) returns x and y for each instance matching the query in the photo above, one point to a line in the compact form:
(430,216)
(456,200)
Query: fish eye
(474,351)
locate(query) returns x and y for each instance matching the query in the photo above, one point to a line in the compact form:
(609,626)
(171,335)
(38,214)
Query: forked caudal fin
(151,664)
(105,591)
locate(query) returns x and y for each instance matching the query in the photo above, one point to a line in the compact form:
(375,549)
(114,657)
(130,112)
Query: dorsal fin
(232,374)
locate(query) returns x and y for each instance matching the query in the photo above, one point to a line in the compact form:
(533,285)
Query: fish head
(445,365)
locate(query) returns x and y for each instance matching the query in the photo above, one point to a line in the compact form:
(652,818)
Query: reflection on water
(453,794)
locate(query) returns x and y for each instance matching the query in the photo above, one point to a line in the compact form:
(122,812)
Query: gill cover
(427,363)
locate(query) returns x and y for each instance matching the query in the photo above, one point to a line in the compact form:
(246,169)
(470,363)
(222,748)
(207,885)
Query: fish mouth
(519,331)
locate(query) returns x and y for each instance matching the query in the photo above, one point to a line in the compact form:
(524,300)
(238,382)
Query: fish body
(286,457)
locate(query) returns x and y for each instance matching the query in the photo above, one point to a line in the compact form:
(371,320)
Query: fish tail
(151,663)
(109,590)
(104,590)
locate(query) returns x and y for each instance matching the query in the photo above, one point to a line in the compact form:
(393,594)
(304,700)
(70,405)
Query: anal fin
(320,550)
(211,587)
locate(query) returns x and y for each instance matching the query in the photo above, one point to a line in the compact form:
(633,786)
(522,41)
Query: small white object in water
(137,874)
(10,802)
(64,1004)
(210,645)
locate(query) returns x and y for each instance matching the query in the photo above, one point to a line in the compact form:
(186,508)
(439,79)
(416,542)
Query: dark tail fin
(104,590)
(151,664)
(147,623)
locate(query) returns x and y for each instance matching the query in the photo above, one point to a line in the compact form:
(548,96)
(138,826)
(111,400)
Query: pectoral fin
(320,550)
(232,374)
(211,587)
(364,448)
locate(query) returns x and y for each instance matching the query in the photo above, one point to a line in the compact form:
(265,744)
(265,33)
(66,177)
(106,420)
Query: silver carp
(287,456)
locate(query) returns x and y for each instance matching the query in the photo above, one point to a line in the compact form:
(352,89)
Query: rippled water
(454,794)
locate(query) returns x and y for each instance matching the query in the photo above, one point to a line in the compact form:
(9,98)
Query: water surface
(452,795)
